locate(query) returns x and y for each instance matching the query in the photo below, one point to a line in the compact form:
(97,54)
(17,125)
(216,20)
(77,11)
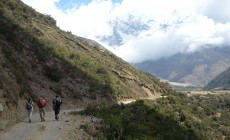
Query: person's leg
(57,114)
(30,115)
(28,112)
(40,112)
(43,114)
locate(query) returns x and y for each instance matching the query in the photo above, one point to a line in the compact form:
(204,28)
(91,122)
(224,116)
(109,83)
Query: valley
(105,97)
(205,92)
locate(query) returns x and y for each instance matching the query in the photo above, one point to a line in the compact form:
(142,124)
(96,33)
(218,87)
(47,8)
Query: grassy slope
(27,30)
(40,59)
(174,117)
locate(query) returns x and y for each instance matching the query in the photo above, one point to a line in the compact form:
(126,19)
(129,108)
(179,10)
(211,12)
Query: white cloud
(195,33)
(193,24)
(217,10)
(45,6)
(138,50)
(89,20)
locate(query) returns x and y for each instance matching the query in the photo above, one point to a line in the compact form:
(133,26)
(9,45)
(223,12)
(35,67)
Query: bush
(54,73)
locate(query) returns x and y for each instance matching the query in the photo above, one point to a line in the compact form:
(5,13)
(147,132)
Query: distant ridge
(196,68)
(220,82)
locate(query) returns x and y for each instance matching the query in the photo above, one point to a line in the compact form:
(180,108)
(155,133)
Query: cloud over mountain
(169,27)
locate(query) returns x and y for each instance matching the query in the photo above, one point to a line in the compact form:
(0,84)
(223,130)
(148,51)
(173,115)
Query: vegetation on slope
(31,32)
(38,58)
(175,117)
(221,81)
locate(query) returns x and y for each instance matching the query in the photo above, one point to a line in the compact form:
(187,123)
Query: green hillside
(38,58)
(220,82)
(175,117)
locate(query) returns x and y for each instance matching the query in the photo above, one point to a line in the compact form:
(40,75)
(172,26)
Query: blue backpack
(57,102)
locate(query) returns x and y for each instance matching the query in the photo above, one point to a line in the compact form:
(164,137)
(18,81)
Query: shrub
(54,73)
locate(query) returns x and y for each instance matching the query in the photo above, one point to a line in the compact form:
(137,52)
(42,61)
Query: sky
(191,24)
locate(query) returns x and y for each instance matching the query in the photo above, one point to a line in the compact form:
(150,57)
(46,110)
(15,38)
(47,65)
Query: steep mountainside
(196,68)
(37,58)
(220,82)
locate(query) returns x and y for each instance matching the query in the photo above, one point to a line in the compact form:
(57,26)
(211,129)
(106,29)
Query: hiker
(41,106)
(29,108)
(57,102)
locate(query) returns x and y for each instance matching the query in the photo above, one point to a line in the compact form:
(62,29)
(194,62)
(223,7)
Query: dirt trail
(67,128)
(127,101)
(151,96)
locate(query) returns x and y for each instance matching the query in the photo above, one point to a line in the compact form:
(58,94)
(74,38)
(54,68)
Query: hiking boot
(29,121)
(57,118)
(43,119)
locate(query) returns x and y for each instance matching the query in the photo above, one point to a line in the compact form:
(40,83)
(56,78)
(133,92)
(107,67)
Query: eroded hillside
(38,58)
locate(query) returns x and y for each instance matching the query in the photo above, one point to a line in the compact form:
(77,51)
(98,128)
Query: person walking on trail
(57,102)
(41,106)
(29,108)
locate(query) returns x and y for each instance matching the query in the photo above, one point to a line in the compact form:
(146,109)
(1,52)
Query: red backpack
(41,103)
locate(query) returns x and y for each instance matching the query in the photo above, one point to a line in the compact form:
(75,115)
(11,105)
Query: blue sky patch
(67,4)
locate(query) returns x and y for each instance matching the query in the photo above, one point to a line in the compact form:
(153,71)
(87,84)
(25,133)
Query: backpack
(41,103)
(28,106)
(57,103)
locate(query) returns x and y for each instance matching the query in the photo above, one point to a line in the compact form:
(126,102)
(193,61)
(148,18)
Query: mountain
(196,68)
(129,27)
(123,30)
(220,82)
(38,58)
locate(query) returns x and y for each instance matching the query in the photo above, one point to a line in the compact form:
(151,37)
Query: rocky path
(67,128)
